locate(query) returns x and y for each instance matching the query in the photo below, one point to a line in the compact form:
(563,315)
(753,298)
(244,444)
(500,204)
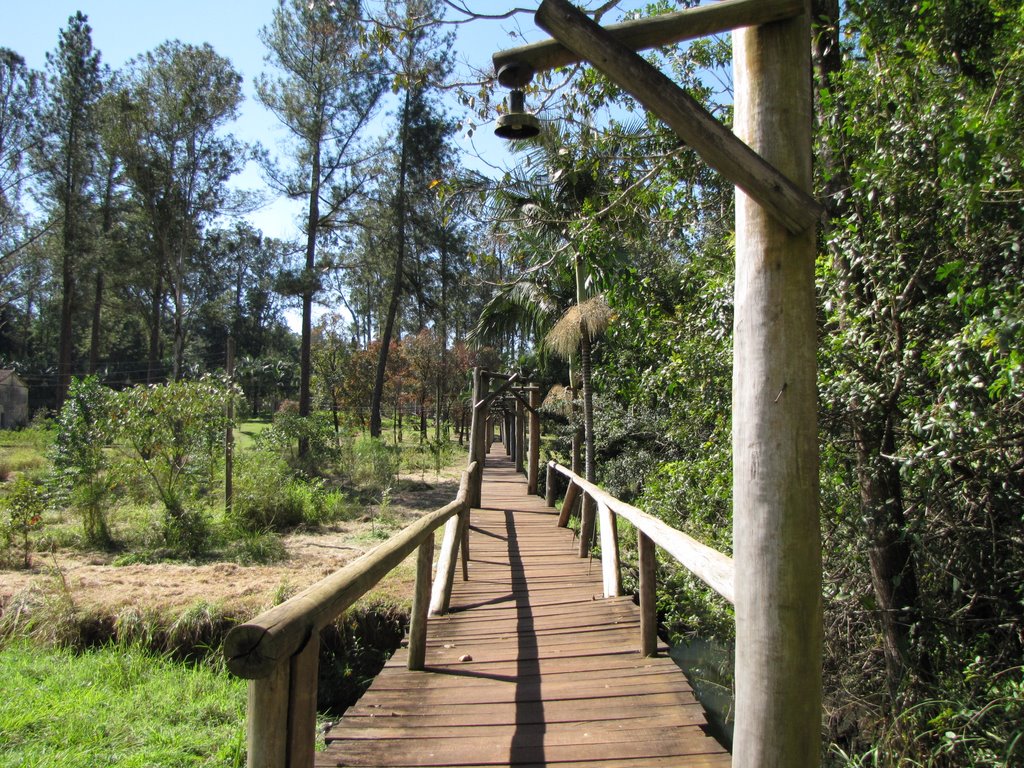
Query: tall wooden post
(534,459)
(520,434)
(777,541)
(476,437)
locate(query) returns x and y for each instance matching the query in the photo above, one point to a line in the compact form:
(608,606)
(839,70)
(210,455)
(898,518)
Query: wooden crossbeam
(715,143)
(664,29)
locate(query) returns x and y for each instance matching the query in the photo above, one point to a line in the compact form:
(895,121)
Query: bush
(80,466)
(376,464)
(269,497)
(172,434)
(23,513)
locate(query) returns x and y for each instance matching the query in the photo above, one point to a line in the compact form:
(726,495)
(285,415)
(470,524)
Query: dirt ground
(97,586)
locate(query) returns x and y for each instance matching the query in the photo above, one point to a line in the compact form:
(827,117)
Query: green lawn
(117,707)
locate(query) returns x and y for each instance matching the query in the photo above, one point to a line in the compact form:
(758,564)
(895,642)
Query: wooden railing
(278,651)
(707,564)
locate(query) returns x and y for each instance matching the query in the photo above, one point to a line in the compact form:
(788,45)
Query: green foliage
(171,433)
(289,430)
(22,507)
(268,496)
(80,464)
(376,464)
(49,714)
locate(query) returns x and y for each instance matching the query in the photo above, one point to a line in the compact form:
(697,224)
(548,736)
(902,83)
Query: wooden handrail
(255,648)
(278,650)
(709,565)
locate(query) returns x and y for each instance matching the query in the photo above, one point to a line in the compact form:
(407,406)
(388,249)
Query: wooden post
(648,597)
(520,434)
(513,430)
(447,559)
(571,494)
(587,521)
(476,438)
(610,572)
(777,541)
(549,485)
(534,459)
(421,605)
(302,687)
(266,724)
(464,542)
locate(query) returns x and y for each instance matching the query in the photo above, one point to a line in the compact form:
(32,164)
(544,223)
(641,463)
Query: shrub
(172,434)
(23,513)
(266,496)
(80,467)
(376,464)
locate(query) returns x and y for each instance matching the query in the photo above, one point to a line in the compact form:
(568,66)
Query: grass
(118,706)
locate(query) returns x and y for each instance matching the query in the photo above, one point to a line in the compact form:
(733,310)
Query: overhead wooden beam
(665,29)
(715,143)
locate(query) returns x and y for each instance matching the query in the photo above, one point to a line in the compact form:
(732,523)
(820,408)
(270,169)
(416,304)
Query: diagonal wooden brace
(715,143)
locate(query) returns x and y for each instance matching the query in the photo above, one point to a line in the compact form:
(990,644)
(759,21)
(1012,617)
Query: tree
(66,158)
(175,102)
(324,97)
(419,61)
(79,455)
(18,94)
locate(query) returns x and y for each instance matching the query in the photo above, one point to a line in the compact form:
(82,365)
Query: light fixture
(517,123)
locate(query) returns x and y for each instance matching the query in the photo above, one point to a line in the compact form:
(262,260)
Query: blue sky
(123,29)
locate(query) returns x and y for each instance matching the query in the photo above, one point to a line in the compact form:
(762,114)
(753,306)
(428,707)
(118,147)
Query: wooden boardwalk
(532,667)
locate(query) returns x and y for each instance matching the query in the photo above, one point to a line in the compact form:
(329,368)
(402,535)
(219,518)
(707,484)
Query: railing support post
(571,494)
(421,605)
(531,481)
(648,599)
(267,721)
(549,485)
(302,687)
(520,434)
(587,520)
(609,552)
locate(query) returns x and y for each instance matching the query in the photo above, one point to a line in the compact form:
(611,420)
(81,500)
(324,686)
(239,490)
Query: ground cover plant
(117,706)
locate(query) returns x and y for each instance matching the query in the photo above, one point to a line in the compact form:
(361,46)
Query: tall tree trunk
(67,306)
(893,571)
(94,341)
(396,285)
(306,343)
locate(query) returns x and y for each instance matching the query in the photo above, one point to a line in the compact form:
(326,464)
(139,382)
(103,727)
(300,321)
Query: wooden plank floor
(531,668)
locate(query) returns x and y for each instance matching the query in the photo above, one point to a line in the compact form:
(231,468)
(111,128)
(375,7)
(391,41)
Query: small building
(13,400)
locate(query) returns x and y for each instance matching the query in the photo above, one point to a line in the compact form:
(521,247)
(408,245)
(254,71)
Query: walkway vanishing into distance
(531,666)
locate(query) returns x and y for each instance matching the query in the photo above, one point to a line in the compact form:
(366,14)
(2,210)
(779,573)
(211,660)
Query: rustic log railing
(278,651)
(707,564)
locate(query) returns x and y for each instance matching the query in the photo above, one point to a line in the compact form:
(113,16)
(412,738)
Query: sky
(123,29)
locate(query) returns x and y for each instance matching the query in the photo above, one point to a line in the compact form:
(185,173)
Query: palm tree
(546,211)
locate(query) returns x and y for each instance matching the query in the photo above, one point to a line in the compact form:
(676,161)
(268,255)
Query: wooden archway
(776,529)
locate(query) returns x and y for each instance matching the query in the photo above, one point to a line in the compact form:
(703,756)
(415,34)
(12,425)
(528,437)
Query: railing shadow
(530,725)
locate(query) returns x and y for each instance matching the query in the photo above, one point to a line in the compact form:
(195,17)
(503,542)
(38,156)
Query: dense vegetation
(608,244)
